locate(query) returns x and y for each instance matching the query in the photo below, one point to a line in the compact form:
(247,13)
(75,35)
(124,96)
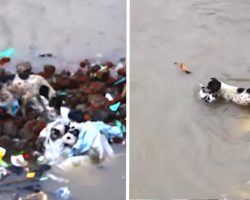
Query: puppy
(217,89)
(50,140)
(86,138)
(26,89)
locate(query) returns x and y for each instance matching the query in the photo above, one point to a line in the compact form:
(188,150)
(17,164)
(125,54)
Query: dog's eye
(214,95)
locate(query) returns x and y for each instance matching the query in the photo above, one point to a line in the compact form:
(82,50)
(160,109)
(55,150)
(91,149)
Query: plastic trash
(3,172)
(18,161)
(44,178)
(109,97)
(57,179)
(7,53)
(115,107)
(63,193)
(4,60)
(35,196)
(30,175)
(2,154)
(123,79)
(120,125)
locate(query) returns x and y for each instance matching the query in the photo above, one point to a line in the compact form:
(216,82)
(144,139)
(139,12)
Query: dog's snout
(206,99)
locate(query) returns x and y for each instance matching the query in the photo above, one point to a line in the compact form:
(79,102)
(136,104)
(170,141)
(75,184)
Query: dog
(49,142)
(86,138)
(26,89)
(216,89)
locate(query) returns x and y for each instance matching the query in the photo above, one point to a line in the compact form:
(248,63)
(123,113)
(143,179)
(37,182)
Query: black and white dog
(216,89)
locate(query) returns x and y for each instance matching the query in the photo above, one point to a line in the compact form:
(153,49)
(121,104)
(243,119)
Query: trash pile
(51,116)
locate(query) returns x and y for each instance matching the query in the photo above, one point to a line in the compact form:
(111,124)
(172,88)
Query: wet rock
(9,129)
(96,101)
(97,87)
(31,129)
(48,72)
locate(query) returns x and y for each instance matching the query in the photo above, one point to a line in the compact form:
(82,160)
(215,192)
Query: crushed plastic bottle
(63,193)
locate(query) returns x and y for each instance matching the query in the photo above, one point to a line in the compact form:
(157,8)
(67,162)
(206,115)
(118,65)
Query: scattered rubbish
(44,178)
(18,161)
(109,97)
(115,106)
(2,154)
(34,196)
(122,80)
(63,193)
(56,178)
(30,175)
(120,125)
(7,53)
(4,60)
(46,55)
(3,173)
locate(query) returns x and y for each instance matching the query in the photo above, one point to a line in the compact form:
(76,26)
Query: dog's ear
(213,79)
(214,85)
(66,128)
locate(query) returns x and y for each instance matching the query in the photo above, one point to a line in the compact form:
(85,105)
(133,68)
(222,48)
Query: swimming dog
(216,89)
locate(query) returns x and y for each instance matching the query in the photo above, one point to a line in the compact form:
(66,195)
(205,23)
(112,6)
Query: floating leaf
(184,68)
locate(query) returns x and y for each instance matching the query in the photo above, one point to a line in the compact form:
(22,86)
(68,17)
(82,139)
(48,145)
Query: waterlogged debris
(63,193)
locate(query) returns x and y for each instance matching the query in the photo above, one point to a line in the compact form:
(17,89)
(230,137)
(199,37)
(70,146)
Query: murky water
(181,147)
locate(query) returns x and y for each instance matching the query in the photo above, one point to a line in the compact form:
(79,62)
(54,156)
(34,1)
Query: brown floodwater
(181,147)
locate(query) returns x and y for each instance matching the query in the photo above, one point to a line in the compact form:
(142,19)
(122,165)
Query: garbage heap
(53,115)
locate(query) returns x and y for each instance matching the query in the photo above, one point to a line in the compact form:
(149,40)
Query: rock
(31,129)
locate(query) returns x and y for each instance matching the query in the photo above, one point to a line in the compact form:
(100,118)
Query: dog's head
(58,131)
(70,138)
(210,93)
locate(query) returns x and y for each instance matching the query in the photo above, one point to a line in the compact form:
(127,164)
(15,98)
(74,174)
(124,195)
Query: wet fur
(216,88)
